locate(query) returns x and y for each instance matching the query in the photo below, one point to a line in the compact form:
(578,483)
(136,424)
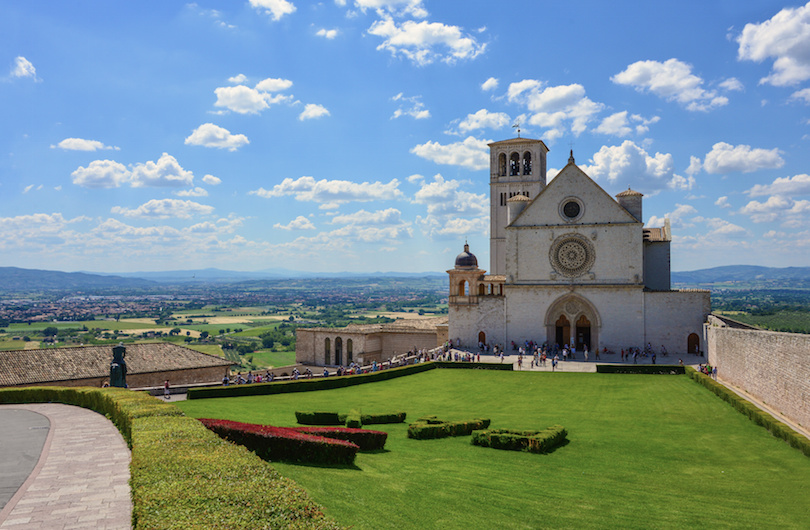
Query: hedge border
(529,441)
(754,413)
(430,428)
(660,369)
(182,475)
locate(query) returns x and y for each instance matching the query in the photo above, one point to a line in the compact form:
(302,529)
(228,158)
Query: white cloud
(554,106)
(101,174)
(790,212)
(785,37)
(672,80)
(327,33)
(210,135)
(387,217)
(732,83)
(616,124)
(802,95)
(412,8)
(695,165)
(630,165)
(164,208)
(678,217)
(313,111)
(193,192)
(722,202)
(425,42)
(165,172)
(489,84)
(23,68)
(725,158)
(299,223)
(273,84)
(483,119)
(245,100)
(470,153)
(275,8)
(211,180)
(79,144)
(410,106)
(237,79)
(451,211)
(332,191)
(787,186)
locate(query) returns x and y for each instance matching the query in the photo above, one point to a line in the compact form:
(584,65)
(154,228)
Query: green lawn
(267,358)
(644,452)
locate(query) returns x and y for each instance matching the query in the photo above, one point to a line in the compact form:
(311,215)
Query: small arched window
(514,164)
(327,352)
(482,289)
(349,352)
(527,163)
(502,164)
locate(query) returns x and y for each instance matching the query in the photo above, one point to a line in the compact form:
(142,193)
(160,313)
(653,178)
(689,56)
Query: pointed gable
(572,197)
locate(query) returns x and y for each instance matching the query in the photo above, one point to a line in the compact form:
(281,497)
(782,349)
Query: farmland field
(645,451)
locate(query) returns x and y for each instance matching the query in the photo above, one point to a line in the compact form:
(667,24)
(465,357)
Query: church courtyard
(644,451)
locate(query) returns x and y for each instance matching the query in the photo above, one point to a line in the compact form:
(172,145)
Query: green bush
(182,475)
(531,441)
(639,369)
(431,427)
(307,385)
(365,439)
(754,413)
(377,419)
(318,418)
(353,420)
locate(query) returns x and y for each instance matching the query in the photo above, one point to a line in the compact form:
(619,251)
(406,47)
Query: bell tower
(516,167)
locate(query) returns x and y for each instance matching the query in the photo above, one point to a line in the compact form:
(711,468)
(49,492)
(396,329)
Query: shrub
(280,443)
(639,369)
(376,419)
(366,440)
(318,418)
(353,420)
(531,441)
(754,413)
(431,427)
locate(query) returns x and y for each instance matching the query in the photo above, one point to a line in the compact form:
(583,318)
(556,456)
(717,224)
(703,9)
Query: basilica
(569,264)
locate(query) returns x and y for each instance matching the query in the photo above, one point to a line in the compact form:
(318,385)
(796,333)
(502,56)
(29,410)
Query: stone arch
(527,163)
(349,352)
(693,343)
(482,337)
(577,310)
(327,350)
(464,288)
(502,164)
(482,289)
(338,350)
(514,164)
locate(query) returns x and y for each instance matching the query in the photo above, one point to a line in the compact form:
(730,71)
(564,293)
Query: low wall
(773,367)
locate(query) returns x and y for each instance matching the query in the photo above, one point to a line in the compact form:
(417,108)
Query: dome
(466,260)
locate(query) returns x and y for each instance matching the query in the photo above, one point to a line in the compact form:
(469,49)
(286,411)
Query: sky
(351,135)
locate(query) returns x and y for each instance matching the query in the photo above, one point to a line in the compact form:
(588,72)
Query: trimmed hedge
(365,439)
(319,418)
(530,441)
(280,443)
(182,475)
(377,419)
(754,413)
(665,369)
(431,427)
(353,420)
(307,385)
(475,366)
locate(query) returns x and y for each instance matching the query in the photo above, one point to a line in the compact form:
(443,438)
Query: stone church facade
(569,265)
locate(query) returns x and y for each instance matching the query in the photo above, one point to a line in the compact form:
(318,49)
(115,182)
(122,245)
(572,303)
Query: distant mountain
(741,273)
(16,279)
(212,275)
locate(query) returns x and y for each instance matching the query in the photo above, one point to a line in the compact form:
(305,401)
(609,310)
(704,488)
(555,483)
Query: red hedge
(283,443)
(365,439)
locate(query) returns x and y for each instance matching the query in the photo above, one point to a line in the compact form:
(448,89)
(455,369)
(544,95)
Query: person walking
(166,392)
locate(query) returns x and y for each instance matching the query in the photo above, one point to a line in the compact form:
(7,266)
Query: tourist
(166,391)
(586,353)
(554,362)
(714,372)
(653,357)
(325,372)
(520,361)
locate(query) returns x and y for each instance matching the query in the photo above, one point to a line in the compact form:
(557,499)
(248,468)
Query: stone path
(81,479)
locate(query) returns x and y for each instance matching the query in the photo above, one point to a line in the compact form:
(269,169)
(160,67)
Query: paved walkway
(81,479)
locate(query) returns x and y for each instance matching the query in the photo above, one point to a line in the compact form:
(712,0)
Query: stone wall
(210,374)
(773,367)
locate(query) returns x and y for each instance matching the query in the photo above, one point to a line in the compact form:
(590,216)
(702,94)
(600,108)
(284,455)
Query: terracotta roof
(20,367)
(655,234)
(519,197)
(629,193)
(397,326)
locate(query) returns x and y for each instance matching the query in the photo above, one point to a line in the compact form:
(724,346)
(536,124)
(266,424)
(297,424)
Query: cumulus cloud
(165,172)
(410,106)
(327,33)
(80,144)
(400,8)
(331,191)
(484,119)
(732,84)
(238,79)
(470,153)
(275,8)
(625,124)
(193,192)
(785,38)
(788,186)
(425,42)
(556,108)
(210,135)
(299,223)
(672,80)
(101,174)
(630,165)
(722,202)
(802,96)
(164,208)
(451,211)
(23,68)
(680,216)
(489,85)
(725,158)
(246,100)
(387,217)
(211,180)
(790,212)
(313,111)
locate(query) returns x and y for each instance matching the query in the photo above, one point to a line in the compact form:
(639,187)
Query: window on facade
(502,164)
(514,164)
(527,163)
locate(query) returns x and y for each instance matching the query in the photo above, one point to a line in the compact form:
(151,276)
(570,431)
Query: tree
(268,342)
(50,331)
(204,335)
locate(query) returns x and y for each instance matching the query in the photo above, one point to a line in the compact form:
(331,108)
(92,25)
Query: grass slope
(644,451)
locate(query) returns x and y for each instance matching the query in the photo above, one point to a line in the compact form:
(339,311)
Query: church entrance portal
(693,343)
(583,336)
(563,335)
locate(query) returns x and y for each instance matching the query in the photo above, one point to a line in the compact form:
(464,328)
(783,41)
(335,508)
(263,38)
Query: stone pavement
(81,479)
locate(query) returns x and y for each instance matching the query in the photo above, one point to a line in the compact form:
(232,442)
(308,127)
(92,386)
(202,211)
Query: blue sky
(350,135)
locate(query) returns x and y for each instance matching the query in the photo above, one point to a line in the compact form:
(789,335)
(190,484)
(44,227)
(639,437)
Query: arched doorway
(583,335)
(349,357)
(338,351)
(327,347)
(482,337)
(563,331)
(693,343)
